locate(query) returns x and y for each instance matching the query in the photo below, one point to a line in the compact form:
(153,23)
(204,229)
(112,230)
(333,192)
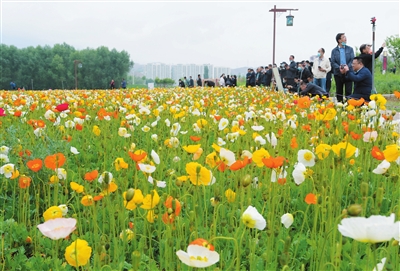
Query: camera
(342,66)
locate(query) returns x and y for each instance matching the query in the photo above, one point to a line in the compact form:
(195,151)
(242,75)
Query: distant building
(177,71)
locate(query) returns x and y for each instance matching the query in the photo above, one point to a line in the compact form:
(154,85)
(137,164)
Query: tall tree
(393,45)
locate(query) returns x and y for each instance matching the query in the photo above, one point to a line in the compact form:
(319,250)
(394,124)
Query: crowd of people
(314,78)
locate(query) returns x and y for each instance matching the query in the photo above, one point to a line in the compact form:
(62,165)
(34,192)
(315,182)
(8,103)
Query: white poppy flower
(306,157)
(257,128)
(374,229)
(147,168)
(74,150)
(379,266)
(253,219)
(299,173)
(160,184)
(272,139)
(105,175)
(7,170)
(4,150)
(4,158)
(155,157)
(227,156)
(260,140)
(61,173)
(382,167)
(64,209)
(287,220)
(154,137)
(223,123)
(198,256)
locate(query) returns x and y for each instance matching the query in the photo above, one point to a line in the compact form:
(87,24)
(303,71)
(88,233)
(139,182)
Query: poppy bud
(354,209)
(246,180)
(178,183)
(379,196)
(135,260)
(130,194)
(364,189)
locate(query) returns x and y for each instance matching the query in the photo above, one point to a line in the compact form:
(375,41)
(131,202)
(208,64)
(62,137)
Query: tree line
(46,67)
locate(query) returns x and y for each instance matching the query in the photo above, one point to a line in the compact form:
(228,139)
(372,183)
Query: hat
(362,47)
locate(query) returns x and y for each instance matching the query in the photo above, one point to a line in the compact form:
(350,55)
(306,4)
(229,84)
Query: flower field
(179,179)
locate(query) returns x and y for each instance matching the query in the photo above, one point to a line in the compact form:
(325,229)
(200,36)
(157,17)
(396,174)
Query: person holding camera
(361,77)
(321,67)
(342,55)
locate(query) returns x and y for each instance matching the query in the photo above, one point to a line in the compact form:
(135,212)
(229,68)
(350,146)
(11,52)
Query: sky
(224,33)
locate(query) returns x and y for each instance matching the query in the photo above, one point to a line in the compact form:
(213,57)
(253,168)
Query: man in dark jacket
(199,82)
(311,89)
(366,55)
(252,78)
(291,70)
(341,55)
(181,83)
(191,82)
(362,78)
(268,76)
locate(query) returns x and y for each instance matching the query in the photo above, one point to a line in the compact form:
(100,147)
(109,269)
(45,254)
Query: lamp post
(373,20)
(79,64)
(289,22)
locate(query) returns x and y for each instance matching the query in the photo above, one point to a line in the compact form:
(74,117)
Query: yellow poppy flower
(322,151)
(120,164)
(151,200)
(392,152)
(191,148)
(259,155)
(230,195)
(52,212)
(347,147)
(78,253)
(76,187)
(136,199)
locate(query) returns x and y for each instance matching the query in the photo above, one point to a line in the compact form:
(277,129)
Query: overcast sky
(223,33)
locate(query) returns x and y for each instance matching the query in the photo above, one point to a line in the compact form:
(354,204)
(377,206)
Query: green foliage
(166,82)
(53,67)
(393,46)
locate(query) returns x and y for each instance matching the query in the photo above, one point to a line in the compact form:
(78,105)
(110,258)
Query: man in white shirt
(321,67)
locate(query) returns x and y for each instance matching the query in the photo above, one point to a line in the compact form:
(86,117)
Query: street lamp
(289,22)
(79,64)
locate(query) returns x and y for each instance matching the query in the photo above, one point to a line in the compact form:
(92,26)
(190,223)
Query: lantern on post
(289,19)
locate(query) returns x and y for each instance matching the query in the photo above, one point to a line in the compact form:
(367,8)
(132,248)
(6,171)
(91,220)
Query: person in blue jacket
(341,55)
(361,77)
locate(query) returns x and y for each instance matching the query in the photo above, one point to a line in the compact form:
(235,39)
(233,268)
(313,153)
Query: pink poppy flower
(62,107)
(57,228)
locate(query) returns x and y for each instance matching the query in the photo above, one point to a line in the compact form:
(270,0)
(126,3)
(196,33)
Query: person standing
(234,80)
(342,55)
(268,76)
(199,82)
(248,75)
(361,77)
(12,85)
(191,82)
(366,55)
(222,81)
(123,83)
(112,84)
(291,70)
(186,81)
(321,67)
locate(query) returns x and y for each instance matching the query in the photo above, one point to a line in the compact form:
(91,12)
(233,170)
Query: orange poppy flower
(91,176)
(54,161)
(98,197)
(239,164)
(355,135)
(195,138)
(377,153)
(174,209)
(24,181)
(281,181)
(272,162)
(304,102)
(293,143)
(138,155)
(202,242)
(18,113)
(217,118)
(356,102)
(397,94)
(311,199)
(306,128)
(35,165)
(351,117)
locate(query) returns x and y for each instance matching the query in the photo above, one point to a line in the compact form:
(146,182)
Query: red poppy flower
(62,107)
(377,153)
(24,181)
